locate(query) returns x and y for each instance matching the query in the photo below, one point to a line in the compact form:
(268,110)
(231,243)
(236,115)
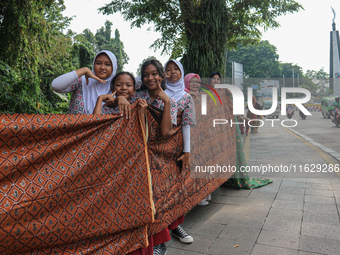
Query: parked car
(267,104)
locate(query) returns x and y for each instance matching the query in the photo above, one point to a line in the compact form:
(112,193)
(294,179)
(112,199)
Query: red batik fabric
(73,184)
(93,184)
(175,190)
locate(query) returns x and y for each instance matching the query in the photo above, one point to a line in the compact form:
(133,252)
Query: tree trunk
(206,36)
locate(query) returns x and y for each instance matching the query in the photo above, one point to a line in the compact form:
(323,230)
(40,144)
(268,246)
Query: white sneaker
(183,236)
(203,202)
(159,249)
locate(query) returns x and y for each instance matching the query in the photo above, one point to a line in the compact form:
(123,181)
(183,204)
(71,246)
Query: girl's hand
(109,99)
(143,105)
(161,94)
(185,158)
(124,106)
(88,74)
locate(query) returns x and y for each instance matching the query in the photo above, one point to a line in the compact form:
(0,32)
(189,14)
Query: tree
(87,45)
(32,46)
(287,71)
(27,29)
(201,30)
(259,60)
(116,46)
(140,65)
(316,81)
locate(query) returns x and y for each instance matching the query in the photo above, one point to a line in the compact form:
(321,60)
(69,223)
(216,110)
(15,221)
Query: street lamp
(283,76)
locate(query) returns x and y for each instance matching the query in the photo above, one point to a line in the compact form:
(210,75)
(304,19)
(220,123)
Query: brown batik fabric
(175,190)
(71,184)
(81,184)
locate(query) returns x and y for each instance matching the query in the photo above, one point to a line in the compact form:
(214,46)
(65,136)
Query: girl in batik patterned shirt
(152,90)
(87,85)
(175,88)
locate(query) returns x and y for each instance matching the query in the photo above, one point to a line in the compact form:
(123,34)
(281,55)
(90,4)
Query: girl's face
(173,72)
(151,77)
(103,66)
(215,80)
(194,85)
(124,86)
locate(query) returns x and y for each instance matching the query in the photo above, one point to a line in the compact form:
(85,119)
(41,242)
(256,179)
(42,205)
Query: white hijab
(95,88)
(175,90)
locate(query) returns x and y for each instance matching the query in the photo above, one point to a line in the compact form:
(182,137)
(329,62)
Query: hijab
(175,90)
(187,80)
(94,88)
(213,74)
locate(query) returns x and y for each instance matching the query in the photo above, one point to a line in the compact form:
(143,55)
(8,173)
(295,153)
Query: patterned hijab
(187,80)
(95,88)
(175,90)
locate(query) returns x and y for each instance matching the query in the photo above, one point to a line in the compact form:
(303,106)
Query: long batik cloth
(80,184)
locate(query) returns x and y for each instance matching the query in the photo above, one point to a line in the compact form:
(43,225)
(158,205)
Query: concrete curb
(327,150)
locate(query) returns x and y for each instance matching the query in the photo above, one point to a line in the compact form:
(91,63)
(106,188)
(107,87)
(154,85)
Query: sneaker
(183,236)
(159,249)
(203,202)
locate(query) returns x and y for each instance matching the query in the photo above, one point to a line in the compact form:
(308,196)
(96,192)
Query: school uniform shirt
(186,105)
(77,99)
(144,94)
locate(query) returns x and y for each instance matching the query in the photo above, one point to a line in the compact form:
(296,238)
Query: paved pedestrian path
(297,214)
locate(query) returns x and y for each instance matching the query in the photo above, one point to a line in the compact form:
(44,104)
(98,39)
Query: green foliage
(20,92)
(316,81)
(32,46)
(87,45)
(287,73)
(140,65)
(259,60)
(180,21)
(27,29)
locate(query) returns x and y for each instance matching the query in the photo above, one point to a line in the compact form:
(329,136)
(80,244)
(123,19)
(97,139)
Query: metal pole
(283,80)
(293,77)
(293,82)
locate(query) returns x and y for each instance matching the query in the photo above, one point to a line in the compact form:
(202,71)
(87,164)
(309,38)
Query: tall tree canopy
(26,30)
(259,60)
(87,44)
(201,30)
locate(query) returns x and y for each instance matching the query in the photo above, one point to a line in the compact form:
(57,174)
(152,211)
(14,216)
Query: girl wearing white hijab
(175,88)
(87,85)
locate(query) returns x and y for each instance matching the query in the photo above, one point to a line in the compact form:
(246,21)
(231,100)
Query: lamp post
(283,76)
(293,82)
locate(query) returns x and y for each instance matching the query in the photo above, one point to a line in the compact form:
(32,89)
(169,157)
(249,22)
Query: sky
(303,37)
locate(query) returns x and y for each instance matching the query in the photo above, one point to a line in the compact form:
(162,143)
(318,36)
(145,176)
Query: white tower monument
(334,67)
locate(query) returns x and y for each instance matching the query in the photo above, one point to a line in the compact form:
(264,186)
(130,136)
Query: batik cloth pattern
(73,183)
(175,190)
(79,184)
(186,106)
(144,94)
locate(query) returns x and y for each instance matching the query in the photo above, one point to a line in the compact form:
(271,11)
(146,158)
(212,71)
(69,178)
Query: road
(319,129)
